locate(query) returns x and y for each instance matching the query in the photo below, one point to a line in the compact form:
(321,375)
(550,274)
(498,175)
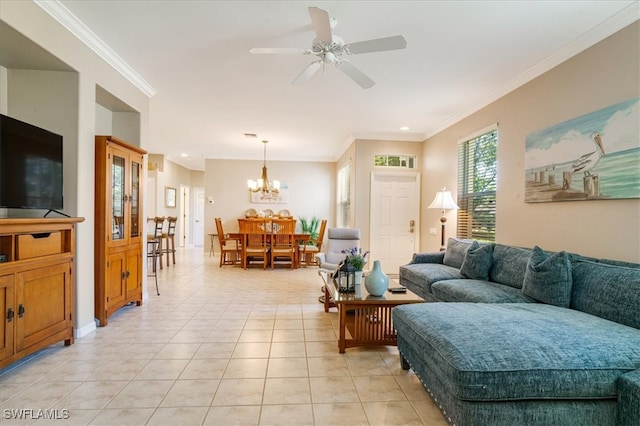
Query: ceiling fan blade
(321,23)
(377,45)
(279,50)
(355,74)
(308,72)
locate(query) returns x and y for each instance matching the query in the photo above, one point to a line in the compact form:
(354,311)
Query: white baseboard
(79,333)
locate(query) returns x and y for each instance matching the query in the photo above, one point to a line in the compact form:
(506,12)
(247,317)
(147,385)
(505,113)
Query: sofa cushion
(517,351)
(509,265)
(456,250)
(611,292)
(629,400)
(548,277)
(477,261)
(479,291)
(420,276)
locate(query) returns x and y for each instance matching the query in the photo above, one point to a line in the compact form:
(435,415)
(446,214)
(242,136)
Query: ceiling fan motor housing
(328,51)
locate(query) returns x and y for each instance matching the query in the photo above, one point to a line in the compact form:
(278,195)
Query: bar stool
(153,254)
(158,224)
(169,238)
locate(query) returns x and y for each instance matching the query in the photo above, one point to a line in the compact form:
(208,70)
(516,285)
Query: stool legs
(170,248)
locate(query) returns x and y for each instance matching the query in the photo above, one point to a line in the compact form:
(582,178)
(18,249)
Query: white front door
(394,215)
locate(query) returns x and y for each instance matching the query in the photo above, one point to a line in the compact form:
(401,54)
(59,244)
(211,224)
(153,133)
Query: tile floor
(219,346)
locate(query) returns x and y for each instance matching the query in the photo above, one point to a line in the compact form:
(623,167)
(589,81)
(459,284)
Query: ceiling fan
(329,48)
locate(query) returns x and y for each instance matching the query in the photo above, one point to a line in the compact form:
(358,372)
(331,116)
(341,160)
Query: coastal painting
(592,157)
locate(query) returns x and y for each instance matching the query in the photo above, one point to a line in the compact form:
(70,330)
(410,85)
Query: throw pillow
(477,262)
(456,249)
(548,277)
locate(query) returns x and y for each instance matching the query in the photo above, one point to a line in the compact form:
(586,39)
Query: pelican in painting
(588,161)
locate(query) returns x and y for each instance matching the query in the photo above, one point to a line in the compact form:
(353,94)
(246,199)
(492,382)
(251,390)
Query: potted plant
(357,259)
(310,227)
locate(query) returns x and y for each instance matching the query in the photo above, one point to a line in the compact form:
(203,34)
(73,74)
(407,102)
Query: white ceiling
(209,90)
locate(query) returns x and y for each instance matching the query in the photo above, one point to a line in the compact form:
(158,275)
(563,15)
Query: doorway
(198,216)
(394,218)
(184,216)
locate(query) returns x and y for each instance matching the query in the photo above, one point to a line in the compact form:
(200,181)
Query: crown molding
(68,20)
(605,29)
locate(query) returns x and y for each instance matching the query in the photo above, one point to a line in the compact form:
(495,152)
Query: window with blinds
(477,183)
(344,196)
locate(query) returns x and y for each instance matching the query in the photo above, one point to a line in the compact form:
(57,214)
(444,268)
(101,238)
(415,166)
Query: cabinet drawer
(35,245)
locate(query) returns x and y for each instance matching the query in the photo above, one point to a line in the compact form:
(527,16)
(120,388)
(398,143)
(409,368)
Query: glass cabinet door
(134,198)
(118,194)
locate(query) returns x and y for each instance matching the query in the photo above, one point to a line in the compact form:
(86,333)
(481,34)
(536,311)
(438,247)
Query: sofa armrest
(629,398)
(428,257)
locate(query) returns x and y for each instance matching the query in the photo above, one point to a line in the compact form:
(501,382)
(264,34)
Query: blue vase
(376,281)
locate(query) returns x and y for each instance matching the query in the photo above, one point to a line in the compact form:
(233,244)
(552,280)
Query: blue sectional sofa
(519,336)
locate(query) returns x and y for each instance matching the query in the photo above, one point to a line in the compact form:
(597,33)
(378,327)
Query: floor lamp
(444,202)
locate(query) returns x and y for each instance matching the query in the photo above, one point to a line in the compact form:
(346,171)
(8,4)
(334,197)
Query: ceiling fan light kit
(329,48)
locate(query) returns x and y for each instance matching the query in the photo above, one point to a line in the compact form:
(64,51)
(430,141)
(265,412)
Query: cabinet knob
(10,315)
(20,310)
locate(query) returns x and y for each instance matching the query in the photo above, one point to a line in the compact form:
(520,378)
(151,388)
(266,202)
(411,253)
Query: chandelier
(262,185)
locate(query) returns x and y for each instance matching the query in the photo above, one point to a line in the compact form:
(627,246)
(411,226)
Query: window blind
(344,195)
(477,184)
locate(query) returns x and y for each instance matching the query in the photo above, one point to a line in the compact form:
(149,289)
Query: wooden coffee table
(367,318)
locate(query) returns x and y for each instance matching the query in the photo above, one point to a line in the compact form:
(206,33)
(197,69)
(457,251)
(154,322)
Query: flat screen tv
(30,166)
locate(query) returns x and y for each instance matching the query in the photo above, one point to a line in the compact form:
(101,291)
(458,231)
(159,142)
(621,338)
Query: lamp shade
(443,201)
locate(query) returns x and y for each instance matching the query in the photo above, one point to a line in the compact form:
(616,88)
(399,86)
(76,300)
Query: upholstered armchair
(338,239)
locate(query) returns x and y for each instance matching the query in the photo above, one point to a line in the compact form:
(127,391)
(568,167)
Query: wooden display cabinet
(36,285)
(119,227)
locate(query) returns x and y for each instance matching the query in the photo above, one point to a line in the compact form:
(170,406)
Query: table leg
(342,345)
(326,298)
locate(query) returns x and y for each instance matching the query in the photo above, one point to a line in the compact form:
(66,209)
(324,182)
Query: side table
(212,239)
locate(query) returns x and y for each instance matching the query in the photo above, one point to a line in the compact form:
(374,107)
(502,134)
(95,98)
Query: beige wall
(311,189)
(601,76)
(36,25)
(365,150)
(173,175)
(48,99)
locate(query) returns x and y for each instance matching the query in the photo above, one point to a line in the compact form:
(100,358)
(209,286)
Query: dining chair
(283,243)
(255,245)
(313,246)
(230,249)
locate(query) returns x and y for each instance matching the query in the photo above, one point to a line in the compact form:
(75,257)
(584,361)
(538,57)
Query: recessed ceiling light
(184,155)
(404,128)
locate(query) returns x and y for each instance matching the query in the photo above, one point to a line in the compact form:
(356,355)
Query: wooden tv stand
(36,285)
